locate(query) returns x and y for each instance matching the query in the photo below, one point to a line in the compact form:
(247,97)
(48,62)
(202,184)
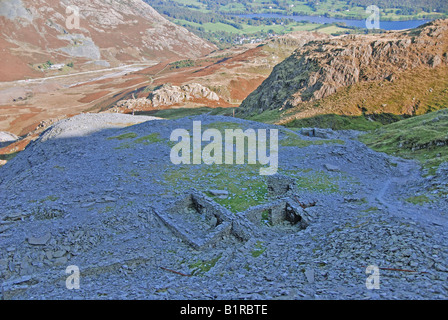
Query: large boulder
(7,138)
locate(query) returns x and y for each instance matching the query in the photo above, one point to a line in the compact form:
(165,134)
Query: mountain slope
(110,201)
(423,138)
(110,33)
(331,68)
(232,74)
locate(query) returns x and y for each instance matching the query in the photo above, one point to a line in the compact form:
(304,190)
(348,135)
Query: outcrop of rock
(7,138)
(322,67)
(169,95)
(110,33)
(296,39)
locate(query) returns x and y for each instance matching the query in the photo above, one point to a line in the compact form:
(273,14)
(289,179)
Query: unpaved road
(122,70)
(410,174)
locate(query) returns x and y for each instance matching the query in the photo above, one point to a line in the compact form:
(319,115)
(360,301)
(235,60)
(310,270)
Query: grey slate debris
(106,198)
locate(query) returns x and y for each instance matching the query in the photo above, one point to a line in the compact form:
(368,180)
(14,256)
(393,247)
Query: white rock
(40,241)
(332,168)
(309,274)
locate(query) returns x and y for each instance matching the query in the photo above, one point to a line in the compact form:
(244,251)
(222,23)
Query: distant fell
(395,72)
(36,36)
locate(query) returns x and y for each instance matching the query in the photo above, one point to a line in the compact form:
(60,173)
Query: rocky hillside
(424,138)
(224,78)
(167,96)
(110,33)
(98,193)
(391,61)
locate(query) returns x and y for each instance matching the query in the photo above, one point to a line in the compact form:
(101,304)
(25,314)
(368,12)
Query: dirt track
(25,104)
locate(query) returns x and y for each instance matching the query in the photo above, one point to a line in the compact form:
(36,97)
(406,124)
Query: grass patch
(424,138)
(50,198)
(182,64)
(362,201)
(125,136)
(124,146)
(371,209)
(337,122)
(172,114)
(265,218)
(418,200)
(259,249)
(293,140)
(268,116)
(223,126)
(243,182)
(149,139)
(314,180)
(146,140)
(8,156)
(200,267)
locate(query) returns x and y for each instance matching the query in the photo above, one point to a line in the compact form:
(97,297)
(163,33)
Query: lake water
(385,25)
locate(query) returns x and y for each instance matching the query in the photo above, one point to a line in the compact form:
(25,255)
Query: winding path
(420,214)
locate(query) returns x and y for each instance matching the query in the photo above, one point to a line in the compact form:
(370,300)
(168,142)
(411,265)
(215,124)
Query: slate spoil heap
(97,193)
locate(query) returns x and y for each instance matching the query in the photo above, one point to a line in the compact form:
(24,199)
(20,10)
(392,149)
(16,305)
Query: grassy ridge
(424,138)
(369,105)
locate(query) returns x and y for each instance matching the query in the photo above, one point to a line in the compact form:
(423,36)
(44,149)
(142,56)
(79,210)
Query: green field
(356,9)
(217,22)
(249,30)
